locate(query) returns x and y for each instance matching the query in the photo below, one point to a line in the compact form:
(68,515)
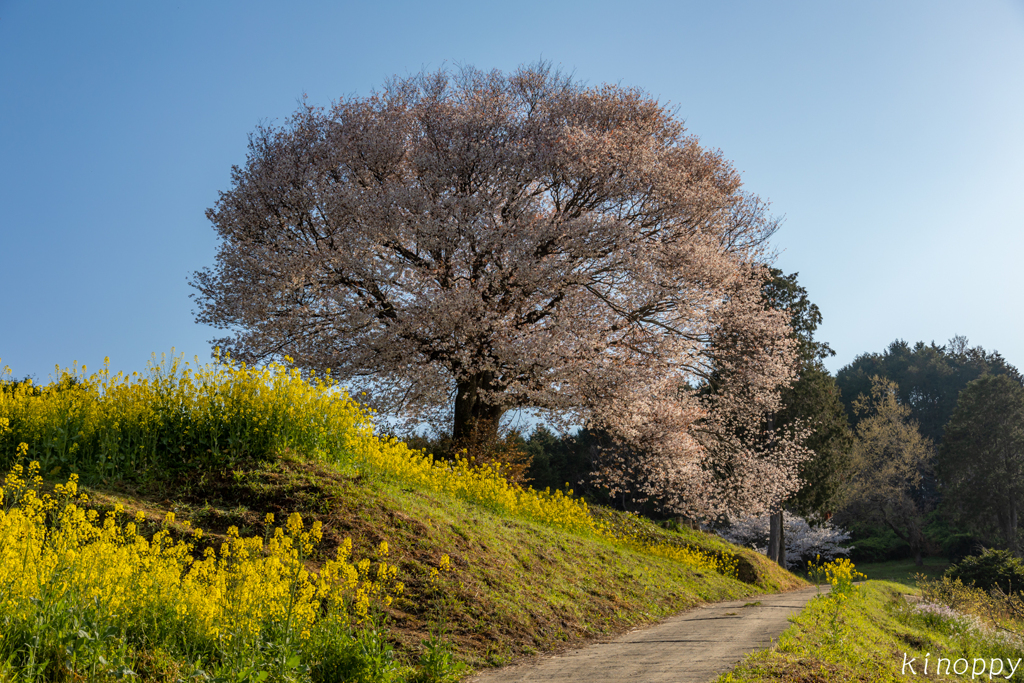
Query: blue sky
(889,134)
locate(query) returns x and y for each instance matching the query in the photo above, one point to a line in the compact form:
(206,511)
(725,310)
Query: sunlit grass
(885,631)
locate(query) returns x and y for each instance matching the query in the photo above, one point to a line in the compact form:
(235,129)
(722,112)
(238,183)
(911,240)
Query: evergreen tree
(981,462)
(929,378)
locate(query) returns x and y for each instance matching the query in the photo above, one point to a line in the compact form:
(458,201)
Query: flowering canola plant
(57,556)
(180,415)
(720,562)
(175,415)
(840,575)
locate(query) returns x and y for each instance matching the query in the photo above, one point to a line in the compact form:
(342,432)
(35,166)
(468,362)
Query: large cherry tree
(461,244)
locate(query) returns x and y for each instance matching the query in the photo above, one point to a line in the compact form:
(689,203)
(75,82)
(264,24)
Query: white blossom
(804,543)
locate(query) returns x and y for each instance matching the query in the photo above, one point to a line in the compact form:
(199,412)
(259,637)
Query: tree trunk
(918,543)
(776,539)
(476,422)
(782,541)
(1010,531)
(914,537)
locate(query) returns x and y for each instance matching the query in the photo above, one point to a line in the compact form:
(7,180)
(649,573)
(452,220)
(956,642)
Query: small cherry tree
(804,543)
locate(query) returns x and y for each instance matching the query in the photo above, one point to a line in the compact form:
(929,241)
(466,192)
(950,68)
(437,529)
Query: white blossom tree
(804,543)
(463,244)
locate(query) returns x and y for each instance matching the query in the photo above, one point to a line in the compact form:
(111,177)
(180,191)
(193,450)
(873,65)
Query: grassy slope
(517,588)
(867,642)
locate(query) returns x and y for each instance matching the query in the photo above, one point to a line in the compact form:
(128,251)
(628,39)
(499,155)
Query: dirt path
(694,646)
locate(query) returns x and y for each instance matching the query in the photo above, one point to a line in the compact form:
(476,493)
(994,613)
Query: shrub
(988,622)
(990,569)
(880,549)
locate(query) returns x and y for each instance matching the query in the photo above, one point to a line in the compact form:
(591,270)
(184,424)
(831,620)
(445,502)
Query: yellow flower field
(91,583)
(179,415)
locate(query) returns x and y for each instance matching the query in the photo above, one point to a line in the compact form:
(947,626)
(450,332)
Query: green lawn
(867,638)
(903,571)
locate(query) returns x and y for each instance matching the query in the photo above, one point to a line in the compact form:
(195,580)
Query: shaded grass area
(904,571)
(517,588)
(869,638)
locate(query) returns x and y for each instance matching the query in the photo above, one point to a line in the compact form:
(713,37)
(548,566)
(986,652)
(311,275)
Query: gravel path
(693,646)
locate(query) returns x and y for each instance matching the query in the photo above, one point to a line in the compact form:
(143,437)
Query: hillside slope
(517,587)
(491,570)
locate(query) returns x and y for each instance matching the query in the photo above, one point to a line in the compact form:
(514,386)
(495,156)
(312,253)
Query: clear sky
(889,134)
